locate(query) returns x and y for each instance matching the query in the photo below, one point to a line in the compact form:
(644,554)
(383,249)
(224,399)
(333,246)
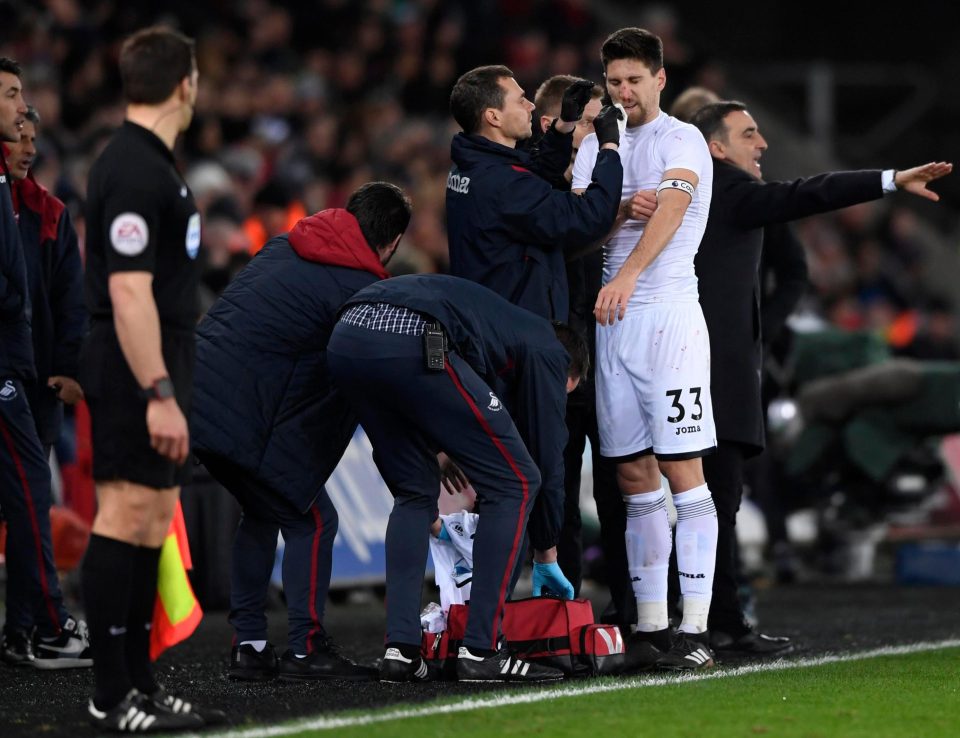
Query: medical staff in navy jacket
(508,227)
(270,426)
(494,402)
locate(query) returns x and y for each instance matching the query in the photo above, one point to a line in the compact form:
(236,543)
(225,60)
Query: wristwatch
(161,389)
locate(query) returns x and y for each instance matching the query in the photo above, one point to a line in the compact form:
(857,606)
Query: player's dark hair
(709,119)
(576,346)
(476,91)
(10,66)
(382,210)
(32,115)
(633,43)
(549,95)
(153,62)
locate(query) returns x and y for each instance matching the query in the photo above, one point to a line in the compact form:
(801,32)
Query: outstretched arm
(915,180)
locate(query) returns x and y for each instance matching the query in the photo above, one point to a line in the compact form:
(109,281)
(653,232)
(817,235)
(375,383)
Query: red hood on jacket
(333,237)
(33,195)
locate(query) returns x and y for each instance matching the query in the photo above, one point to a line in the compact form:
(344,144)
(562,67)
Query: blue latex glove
(444,533)
(549,578)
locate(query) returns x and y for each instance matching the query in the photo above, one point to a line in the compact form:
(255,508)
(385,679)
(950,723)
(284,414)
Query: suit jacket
(727,267)
(783,279)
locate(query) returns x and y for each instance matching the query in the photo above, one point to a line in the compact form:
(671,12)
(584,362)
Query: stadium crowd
(293,114)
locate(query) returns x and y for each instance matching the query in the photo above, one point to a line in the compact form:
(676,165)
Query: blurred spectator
(275,210)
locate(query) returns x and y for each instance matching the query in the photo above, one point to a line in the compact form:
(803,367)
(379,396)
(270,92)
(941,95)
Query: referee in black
(143,235)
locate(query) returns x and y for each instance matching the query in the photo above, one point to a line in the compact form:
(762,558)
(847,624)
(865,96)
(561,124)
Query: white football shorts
(653,383)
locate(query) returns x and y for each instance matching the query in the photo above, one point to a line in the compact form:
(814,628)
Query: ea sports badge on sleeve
(129,234)
(193,236)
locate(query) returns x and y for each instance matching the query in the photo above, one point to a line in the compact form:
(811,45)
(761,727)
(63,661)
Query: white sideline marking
(546,694)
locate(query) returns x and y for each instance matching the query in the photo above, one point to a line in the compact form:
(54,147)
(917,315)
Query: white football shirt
(647,152)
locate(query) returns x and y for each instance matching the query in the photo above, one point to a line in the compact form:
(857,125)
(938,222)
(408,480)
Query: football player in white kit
(653,355)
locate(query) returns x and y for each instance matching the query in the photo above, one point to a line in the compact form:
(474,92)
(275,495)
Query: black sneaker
(69,650)
(249,665)
(179,706)
(690,652)
(396,667)
(17,648)
(137,713)
(326,664)
(751,643)
(501,667)
(645,650)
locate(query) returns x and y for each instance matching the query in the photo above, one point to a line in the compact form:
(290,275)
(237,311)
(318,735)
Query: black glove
(575,99)
(605,124)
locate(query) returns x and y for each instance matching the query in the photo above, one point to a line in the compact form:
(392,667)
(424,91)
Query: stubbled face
(585,124)
(631,83)
(744,145)
(24,152)
(12,107)
(516,121)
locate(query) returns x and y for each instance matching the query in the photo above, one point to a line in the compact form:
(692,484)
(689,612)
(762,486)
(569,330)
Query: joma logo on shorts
(692,576)
(687,429)
(458,183)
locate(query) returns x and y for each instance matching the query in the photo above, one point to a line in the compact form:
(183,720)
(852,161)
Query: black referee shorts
(118,415)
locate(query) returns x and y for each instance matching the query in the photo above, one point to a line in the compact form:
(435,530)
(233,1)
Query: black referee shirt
(141,217)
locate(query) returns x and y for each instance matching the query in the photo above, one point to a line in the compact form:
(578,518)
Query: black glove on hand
(575,99)
(605,124)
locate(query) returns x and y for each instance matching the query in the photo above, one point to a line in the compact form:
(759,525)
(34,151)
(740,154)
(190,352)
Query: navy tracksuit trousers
(409,414)
(33,590)
(307,557)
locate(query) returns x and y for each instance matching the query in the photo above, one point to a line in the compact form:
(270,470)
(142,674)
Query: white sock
(696,555)
(648,557)
(258,646)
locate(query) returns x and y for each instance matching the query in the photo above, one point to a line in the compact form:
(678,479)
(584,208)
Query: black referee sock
(105,578)
(143,595)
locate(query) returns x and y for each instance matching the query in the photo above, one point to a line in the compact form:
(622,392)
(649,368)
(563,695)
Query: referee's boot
(645,650)
(501,667)
(137,713)
(690,652)
(179,706)
(324,662)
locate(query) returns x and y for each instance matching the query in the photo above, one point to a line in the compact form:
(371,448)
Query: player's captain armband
(676,184)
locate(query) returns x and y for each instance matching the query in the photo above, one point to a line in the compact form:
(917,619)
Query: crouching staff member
(143,234)
(269,425)
(436,363)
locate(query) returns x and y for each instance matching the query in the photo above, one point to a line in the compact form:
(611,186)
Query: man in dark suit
(727,266)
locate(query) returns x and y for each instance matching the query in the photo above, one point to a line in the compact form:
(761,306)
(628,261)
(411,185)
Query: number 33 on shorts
(680,406)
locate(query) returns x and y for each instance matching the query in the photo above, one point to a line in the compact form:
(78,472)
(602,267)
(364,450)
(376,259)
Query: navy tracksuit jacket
(508,227)
(33,591)
(267,421)
(55,284)
(497,409)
